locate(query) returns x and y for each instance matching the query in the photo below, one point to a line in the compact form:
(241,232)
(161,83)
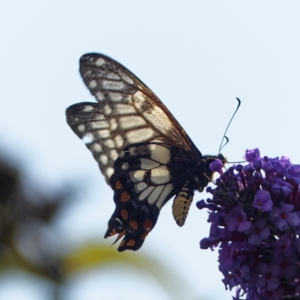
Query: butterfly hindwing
(146,176)
(142,151)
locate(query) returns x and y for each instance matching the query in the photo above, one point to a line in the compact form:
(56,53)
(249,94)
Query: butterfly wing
(146,176)
(127,112)
(141,149)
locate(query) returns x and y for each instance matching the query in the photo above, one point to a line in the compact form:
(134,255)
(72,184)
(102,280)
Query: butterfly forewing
(142,151)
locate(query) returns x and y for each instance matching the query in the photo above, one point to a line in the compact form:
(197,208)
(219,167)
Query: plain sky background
(197,56)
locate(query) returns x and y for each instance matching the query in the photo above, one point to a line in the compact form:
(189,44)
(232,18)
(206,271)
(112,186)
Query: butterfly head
(205,172)
(222,158)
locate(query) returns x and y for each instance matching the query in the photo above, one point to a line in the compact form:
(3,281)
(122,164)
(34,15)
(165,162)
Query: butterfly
(144,154)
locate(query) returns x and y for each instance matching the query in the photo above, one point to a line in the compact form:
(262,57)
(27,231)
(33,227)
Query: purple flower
(280,166)
(293,173)
(254,217)
(263,200)
(285,187)
(251,154)
(237,219)
(286,262)
(268,277)
(257,163)
(283,243)
(216,166)
(241,272)
(202,204)
(282,216)
(267,167)
(271,295)
(258,232)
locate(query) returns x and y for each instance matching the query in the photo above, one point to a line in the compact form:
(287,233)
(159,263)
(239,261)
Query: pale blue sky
(197,56)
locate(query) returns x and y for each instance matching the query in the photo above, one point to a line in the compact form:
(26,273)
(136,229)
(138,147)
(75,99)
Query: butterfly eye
(142,151)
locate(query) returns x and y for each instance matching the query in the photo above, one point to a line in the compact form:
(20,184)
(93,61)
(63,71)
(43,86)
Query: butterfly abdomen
(182,203)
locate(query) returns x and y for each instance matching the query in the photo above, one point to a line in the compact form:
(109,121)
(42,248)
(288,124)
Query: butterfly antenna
(227,141)
(224,135)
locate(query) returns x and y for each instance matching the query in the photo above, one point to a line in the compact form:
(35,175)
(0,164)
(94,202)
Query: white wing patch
(124,109)
(103,134)
(137,176)
(160,154)
(113,124)
(141,186)
(103,159)
(88,108)
(99,62)
(113,154)
(146,193)
(125,166)
(126,78)
(119,141)
(99,124)
(100,96)
(160,175)
(165,193)
(81,127)
(135,136)
(97,147)
(131,122)
(148,163)
(88,138)
(109,143)
(107,110)
(93,84)
(114,96)
(109,171)
(155,194)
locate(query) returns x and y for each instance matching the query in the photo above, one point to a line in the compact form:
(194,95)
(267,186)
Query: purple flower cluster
(255,221)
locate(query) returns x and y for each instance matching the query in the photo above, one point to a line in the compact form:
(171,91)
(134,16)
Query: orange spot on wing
(122,244)
(121,234)
(113,232)
(148,224)
(118,185)
(124,196)
(134,224)
(144,234)
(124,214)
(130,243)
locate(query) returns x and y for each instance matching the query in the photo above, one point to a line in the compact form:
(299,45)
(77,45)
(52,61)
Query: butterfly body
(142,151)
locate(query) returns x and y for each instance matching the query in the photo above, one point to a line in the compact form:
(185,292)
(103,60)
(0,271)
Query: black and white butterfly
(144,154)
